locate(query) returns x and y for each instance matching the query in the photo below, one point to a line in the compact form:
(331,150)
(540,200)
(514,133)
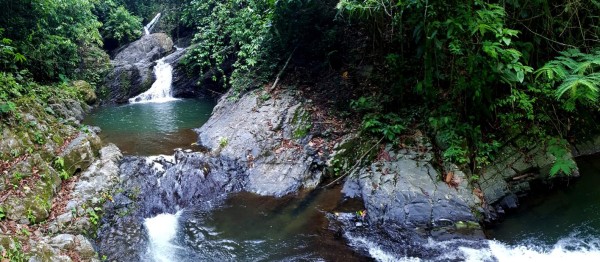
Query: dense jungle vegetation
(475,75)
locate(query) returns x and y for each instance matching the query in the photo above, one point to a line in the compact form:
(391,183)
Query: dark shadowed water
(568,211)
(152,128)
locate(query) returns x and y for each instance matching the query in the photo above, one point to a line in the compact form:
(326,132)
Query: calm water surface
(152,128)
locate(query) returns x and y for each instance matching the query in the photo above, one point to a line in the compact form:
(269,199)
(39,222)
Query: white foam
(162,230)
(377,252)
(160,91)
(567,249)
(558,252)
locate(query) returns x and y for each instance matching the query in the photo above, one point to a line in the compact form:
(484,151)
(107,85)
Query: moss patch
(301,123)
(349,152)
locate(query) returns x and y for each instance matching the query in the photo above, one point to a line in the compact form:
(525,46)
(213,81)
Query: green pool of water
(152,128)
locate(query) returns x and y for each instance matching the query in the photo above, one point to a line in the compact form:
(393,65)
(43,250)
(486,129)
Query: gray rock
(81,152)
(408,192)
(99,177)
(68,109)
(148,48)
(128,80)
(85,249)
(264,136)
(63,241)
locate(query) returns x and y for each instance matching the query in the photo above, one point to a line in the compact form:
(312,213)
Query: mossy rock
(301,123)
(85,91)
(35,205)
(80,154)
(347,153)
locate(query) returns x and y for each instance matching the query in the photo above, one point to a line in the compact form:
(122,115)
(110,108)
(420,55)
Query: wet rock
(161,184)
(188,84)
(588,146)
(408,191)
(511,176)
(128,80)
(267,137)
(392,242)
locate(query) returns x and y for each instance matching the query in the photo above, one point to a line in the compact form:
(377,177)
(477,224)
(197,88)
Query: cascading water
(567,249)
(148,28)
(161,89)
(162,230)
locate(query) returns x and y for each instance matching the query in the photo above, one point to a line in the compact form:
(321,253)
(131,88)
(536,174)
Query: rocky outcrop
(513,175)
(188,84)
(86,91)
(81,215)
(402,189)
(132,67)
(405,189)
(147,49)
(407,205)
(162,184)
(54,249)
(39,188)
(269,137)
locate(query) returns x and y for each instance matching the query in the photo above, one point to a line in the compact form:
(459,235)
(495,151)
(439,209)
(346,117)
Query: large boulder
(408,206)
(147,49)
(268,136)
(404,189)
(86,91)
(128,80)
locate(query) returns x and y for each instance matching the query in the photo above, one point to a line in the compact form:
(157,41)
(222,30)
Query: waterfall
(148,28)
(161,88)
(162,230)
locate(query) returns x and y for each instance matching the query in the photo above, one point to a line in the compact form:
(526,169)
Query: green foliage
(93,215)
(59,162)
(223,141)
(122,26)
(563,163)
(30,216)
(9,57)
(577,76)
(228,28)
(389,125)
(14,252)
(50,35)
